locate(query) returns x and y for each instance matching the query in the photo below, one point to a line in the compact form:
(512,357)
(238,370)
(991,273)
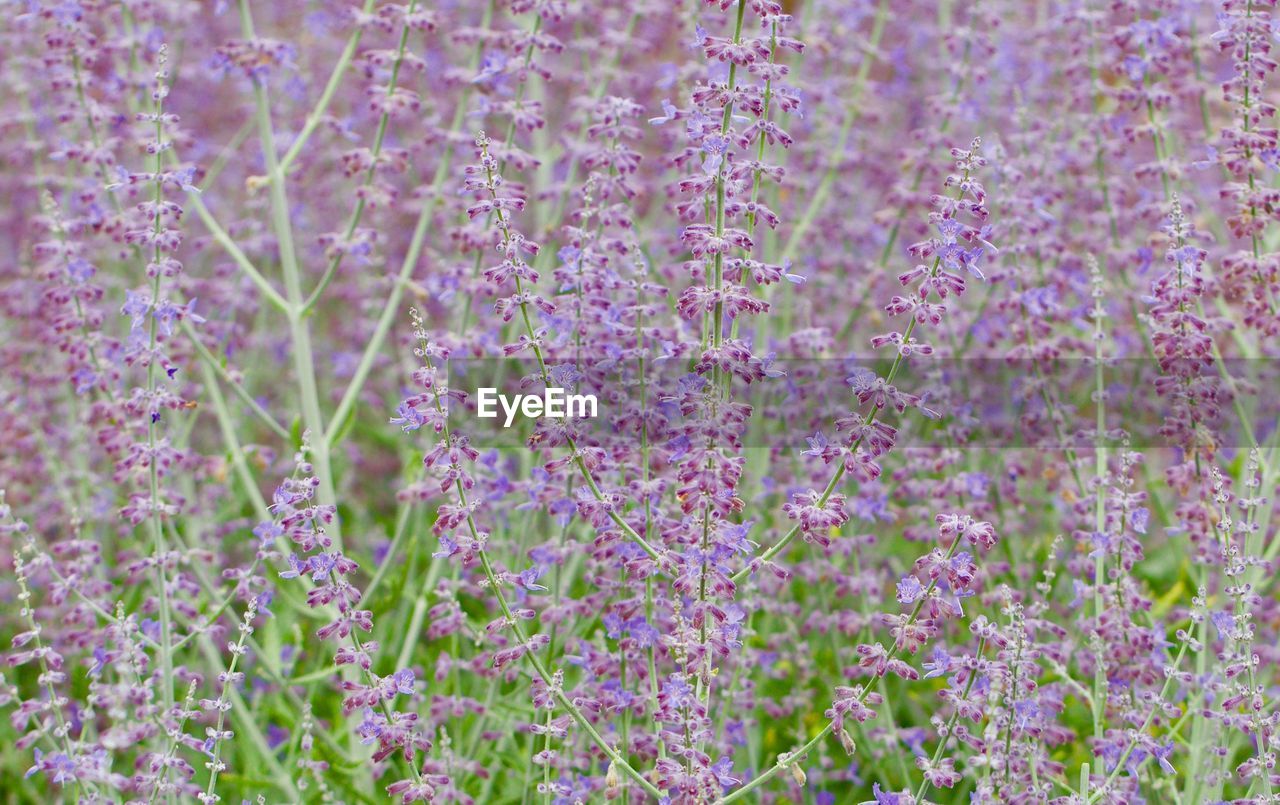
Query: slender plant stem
(326,97)
(375,154)
(785,760)
(1099,524)
(839,473)
(951,723)
(1133,744)
(522,636)
(299,331)
(210,362)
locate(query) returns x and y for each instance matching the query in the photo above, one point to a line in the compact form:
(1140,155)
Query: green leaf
(295,432)
(347,423)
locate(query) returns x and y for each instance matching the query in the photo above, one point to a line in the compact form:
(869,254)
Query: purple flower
(297,568)
(909,590)
(715,148)
(408,417)
(723,771)
(404,680)
(1138,519)
(884,797)
(58,767)
(528,578)
(669,113)
(939,664)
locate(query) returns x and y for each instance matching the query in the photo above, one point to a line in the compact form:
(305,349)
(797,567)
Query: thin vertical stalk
(299,331)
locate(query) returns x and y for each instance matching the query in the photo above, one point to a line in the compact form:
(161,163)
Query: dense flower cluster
(916,362)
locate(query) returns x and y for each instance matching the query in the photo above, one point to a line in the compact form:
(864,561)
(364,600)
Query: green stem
(299,332)
(1119,767)
(376,152)
(212,363)
(818,200)
(951,723)
(215,763)
(522,636)
(838,475)
(786,759)
(1099,525)
(322,104)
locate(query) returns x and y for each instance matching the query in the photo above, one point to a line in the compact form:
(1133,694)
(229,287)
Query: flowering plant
(886,397)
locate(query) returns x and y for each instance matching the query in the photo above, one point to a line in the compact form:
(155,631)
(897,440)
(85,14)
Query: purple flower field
(704,401)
